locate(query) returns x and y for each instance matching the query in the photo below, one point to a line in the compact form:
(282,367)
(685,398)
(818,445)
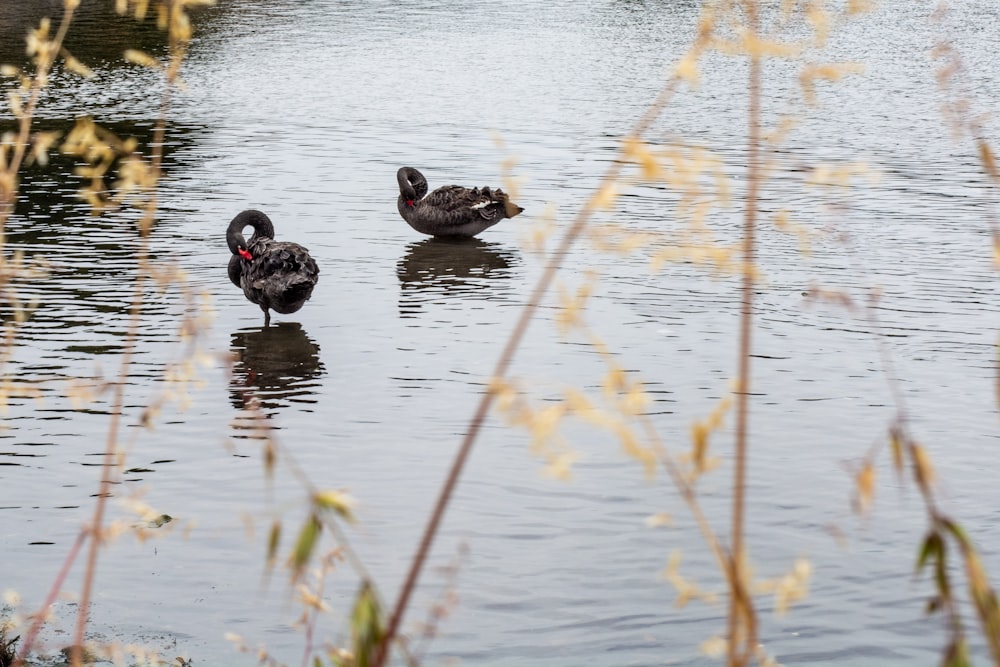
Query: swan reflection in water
(276,365)
(438,268)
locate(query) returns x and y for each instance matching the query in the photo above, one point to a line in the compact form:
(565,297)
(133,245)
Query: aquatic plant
(319,547)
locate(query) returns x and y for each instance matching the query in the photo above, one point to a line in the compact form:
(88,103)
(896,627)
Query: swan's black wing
(281,275)
(469,203)
(235,269)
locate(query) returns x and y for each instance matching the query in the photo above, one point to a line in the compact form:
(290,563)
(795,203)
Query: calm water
(306,110)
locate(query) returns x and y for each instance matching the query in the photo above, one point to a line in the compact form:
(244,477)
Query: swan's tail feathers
(300,290)
(509,207)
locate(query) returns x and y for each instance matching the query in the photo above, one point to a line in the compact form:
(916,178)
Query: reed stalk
(742,632)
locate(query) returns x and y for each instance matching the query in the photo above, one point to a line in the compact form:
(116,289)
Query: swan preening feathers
(276,275)
(451,210)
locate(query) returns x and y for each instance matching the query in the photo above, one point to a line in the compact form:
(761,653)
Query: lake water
(305,111)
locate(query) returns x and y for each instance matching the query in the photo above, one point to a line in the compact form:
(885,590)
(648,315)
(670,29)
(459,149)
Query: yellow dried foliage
(560,465)
(922,466)
(14,102)
(832,72)
(792,587)
(76,67)
(714,647)
(687,69)
(747,43)
(633,447)
(988,160)
(137,7)
(820,20)
(843,175)
(142,58)
(38,43)
(778,134)
(534,237)
(686,589)
(864,485)
(41,143)
(310,599)
(605,197)
(637,152)
(659,520)
(616,240)
(573,306)
(896,450)
(701,431)
(338,502)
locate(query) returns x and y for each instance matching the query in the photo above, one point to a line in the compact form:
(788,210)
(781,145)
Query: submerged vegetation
(118,174)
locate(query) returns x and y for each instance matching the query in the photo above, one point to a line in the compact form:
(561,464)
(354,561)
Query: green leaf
(929,550)
(367,628)
(941,576)
(273,542)
(305,545)
(956,654)
(959,534)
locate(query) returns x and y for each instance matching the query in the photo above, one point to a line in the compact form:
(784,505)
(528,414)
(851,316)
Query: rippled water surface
(306,110)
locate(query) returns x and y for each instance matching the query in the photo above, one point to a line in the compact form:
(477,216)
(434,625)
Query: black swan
(273,274)
(451,210)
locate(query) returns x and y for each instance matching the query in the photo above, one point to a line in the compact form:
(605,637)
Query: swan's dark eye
(409,202)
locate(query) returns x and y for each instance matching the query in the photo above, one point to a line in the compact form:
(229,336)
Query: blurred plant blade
(305,545)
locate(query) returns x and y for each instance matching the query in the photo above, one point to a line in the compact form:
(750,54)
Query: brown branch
(54,590)
(741,624)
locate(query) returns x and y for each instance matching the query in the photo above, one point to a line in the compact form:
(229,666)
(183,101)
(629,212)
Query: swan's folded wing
(451,198)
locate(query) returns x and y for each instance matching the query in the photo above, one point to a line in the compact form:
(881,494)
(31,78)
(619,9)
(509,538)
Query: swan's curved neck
(412,185)
(262,228)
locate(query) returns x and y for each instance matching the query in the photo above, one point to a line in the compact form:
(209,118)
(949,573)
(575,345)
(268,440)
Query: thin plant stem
(506,358)
(39,617)
(687,492)
(741,627)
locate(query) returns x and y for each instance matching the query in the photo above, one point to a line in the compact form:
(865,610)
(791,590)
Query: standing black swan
(273,274)
(451,210)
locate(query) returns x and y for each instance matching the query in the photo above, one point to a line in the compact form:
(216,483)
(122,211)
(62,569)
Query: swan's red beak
(409,202)
(245,254)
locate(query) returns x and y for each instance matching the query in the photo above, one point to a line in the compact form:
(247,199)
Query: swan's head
(412,185)
(262,228)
